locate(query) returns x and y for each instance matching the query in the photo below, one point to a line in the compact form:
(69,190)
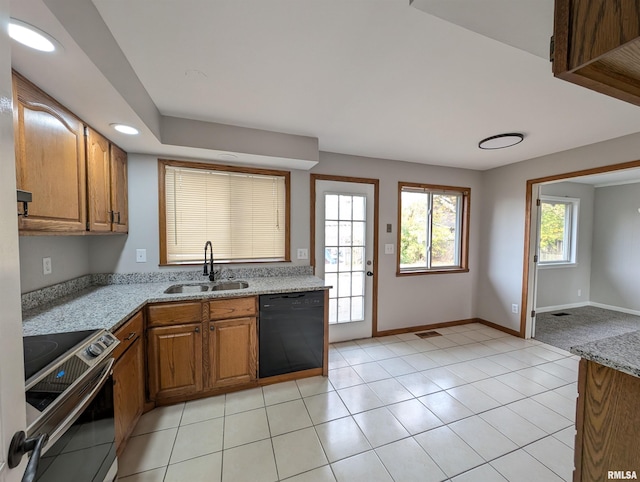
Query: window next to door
(558,230)
(244,212)
(433,233)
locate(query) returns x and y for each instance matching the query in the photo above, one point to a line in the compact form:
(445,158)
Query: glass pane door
(344,255)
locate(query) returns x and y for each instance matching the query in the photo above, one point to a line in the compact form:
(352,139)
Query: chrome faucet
(212,275)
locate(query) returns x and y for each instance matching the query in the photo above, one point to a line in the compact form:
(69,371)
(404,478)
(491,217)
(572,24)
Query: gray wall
(559,285)
(503,218)
(402,302)
(615,277)
(69,259)
(117,254)
(442,297)
(415,300)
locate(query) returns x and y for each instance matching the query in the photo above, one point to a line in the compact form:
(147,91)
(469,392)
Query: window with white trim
(433,228)
(242,211)
(558,230)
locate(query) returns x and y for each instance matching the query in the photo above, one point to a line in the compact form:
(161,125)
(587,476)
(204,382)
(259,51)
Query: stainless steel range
(69,395)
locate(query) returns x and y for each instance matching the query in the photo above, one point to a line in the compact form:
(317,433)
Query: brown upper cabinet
(119,183)
(107,185)
(596,44)
(50,161)
(77,177)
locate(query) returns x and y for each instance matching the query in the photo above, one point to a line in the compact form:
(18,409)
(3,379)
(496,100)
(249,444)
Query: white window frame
(570,229)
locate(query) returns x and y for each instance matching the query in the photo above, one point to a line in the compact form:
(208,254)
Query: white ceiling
(376,78)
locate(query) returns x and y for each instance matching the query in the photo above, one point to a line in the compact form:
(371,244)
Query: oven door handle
(63,426)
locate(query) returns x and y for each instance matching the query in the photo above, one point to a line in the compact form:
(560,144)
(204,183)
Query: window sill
(224,262)
(556,265)
(431,271)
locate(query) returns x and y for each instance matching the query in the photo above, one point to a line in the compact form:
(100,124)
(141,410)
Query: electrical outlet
(46,265)
(514,308)
(303,253)
(141,255)
(388,249)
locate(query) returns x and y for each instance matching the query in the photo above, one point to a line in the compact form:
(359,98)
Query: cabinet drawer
(174,313)
(234,308)
(128,333)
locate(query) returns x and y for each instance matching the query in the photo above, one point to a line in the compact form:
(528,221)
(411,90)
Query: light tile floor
(473,404)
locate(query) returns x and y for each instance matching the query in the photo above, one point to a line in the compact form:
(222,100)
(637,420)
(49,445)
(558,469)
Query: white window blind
(242,214)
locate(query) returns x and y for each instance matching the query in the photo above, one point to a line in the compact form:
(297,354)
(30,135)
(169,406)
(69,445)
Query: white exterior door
(344,255)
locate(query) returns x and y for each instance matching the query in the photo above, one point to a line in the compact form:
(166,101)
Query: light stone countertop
(621,352)
(110,306)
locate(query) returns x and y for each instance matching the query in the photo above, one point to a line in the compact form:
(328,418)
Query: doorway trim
(312,239)
(524,314)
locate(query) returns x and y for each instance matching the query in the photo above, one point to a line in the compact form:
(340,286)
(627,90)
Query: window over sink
(244,212)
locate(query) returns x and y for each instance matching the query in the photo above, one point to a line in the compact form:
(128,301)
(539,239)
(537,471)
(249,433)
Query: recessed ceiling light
(31,36)
(501,141)
(125,129)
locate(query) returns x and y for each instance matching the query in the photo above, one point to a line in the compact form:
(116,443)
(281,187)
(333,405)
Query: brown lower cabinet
(175,360)
(183,364)
(607,422)
(128,379)
(232,352)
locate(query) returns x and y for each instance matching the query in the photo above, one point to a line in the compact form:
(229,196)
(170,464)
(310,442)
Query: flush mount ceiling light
(125,129)
(225,156)
(31,36)
(501,141)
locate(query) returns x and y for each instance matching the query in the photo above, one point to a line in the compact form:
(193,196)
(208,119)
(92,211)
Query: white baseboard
(547,309)
(615,308)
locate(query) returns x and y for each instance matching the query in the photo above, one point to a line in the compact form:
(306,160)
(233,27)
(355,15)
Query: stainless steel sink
(229,285)
(184,288)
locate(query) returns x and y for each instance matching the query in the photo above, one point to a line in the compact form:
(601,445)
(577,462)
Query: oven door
(82,446)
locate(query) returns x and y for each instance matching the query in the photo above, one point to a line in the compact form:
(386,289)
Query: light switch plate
(388,249)
(303,253)
(141,255)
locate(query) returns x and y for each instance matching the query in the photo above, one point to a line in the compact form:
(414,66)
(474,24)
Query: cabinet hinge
(535,258)
(88,227)
(533,313)
(86,131)
(552,48)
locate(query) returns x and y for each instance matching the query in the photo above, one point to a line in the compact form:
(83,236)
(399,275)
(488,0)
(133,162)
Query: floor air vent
(428,334)
(561,314)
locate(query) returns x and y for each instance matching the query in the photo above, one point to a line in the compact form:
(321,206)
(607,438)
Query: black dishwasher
(291,332)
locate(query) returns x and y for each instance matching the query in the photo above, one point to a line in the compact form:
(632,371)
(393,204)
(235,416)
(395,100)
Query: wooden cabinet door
(128,391)
(119,194)
(98,182)
(174,360)
(50,161)
(232,351)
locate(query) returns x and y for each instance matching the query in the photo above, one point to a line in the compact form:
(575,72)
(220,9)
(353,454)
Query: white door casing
(12,399)
(344,255)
